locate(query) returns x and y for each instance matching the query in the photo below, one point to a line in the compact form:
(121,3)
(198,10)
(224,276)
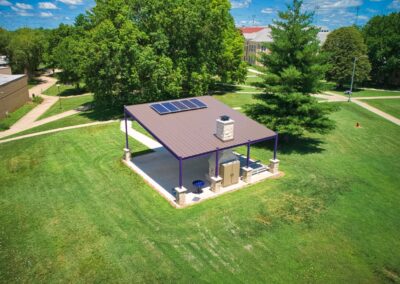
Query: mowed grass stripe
(71,211)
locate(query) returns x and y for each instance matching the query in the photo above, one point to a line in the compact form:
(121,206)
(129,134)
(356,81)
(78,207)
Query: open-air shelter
(194,127)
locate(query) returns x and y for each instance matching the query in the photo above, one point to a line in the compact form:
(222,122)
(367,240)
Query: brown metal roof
(191,133)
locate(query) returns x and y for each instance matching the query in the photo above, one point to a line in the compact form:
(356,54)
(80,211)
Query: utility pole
(356,21)
(352,79)
(254,17)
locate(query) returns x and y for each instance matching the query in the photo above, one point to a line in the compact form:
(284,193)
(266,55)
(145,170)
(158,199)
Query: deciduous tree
(343,46)
(382,36)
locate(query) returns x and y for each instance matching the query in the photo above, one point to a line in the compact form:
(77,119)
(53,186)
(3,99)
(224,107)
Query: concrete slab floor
(160,169)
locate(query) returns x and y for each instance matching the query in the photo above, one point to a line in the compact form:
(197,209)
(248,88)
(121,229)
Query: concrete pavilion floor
(160,169)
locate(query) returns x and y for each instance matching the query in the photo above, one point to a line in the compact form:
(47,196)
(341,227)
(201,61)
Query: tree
(382,37)
(53,39)
(294,70)
(25,50)
(343,46)
(4,41)
(141,51)
(68,56)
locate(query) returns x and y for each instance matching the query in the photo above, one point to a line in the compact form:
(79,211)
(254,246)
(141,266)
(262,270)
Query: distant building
(5,70)
(13,93)
(3,61)
(256,37)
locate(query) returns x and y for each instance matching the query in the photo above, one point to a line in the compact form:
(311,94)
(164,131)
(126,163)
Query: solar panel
(178,106)
(159,108)
(170,107)
(189,104)
(198,103)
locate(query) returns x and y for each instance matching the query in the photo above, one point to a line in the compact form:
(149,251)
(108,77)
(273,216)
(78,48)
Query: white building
(256,37)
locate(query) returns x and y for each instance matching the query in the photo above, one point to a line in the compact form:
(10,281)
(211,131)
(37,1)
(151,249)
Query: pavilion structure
(201,127)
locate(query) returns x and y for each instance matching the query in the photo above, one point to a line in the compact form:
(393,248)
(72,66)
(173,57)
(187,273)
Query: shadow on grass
(34,82)
(101,114)
(73,92)
(221,89)
(294,145)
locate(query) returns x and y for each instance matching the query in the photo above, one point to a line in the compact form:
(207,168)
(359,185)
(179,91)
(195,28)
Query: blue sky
(330,13)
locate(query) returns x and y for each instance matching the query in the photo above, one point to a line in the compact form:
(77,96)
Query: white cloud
(363,17)
(330,4)
(21,12)
(23,6)
(372,10)
(71,2)
(394,5)
(45,14)
(267,10)
(5,3)
(47,5)
(236,4)
(375,0)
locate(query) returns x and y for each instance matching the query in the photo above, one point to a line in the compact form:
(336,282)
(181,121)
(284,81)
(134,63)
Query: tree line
(135,51)
(296,67)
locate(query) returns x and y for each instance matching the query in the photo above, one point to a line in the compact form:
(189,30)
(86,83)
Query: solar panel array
(178,106)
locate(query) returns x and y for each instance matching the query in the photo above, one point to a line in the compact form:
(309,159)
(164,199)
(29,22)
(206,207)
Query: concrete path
(373,89)
(377,111)
(147,141)
(332,97)
(377,98)
(29,120)
(56,130)
(255,71)
(47,82)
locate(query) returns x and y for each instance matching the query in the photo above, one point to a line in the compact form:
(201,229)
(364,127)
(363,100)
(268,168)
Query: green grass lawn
(70,211)
(68,104)
(236,100)
(16,115)
(370,93)
(390,106)
(65,90)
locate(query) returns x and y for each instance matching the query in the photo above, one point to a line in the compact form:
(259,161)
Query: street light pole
(59,95)
(352,78)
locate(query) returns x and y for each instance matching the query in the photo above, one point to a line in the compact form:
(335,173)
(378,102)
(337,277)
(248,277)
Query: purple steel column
(275,146)
(126,132)
(216,162)
(248,155)
(180,172)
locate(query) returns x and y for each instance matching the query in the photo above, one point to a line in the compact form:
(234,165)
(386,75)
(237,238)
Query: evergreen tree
(294,70)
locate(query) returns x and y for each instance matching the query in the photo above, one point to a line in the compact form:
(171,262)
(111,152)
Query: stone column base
(181,195)
(247,174)
(127,154)
(216,184)
(273,166)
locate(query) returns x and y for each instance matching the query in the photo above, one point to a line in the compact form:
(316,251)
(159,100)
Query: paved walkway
(29,120)
(56,130)
(377,98)
(145,140)
(332,97)
(255,71)
(377,111)
(47,82)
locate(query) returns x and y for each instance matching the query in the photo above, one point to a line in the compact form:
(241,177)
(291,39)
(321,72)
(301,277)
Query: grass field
(370,93)
(65,90)
(5,123)
(236,100)
(390,106)
(70,211)
(68,104)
